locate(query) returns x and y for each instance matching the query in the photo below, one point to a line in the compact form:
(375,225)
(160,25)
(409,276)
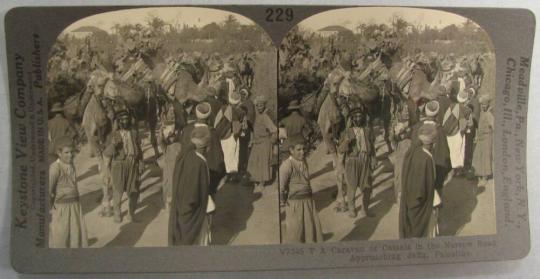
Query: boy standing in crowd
(302,220)
(67,228)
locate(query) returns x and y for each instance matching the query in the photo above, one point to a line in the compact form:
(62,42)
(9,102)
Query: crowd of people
(221,134)
(225,133)
(441,131)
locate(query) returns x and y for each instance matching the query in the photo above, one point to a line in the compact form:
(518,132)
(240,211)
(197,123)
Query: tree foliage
(227,36)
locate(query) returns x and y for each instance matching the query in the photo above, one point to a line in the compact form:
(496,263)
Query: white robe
(231,153)
(456,144)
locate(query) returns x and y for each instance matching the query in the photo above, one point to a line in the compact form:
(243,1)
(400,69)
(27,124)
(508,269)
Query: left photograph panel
(162,130)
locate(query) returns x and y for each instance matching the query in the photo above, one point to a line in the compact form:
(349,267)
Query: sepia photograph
(386,126)
(162,130)
(213,138)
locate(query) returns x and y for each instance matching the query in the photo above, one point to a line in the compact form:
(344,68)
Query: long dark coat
(214,155)
(417,194)
(441,152)
(189,199)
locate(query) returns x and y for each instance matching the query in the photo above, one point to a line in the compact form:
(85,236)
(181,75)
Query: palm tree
(116,28)
(361,28)
(156,24)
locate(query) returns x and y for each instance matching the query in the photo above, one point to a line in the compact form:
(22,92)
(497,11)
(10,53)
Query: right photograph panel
(385,126)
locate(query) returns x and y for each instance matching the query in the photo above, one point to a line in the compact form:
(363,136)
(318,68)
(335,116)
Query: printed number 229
(279,14)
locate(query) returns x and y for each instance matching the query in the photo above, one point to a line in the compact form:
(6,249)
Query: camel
(477,71)
(246,71)
(143,84)
(97,115)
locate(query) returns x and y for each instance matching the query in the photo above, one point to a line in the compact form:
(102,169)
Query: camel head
(214,63)
(334,79)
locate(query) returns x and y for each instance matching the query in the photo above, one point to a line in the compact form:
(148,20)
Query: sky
(172,15)
(351,17)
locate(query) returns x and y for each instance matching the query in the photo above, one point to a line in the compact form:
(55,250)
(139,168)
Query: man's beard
(123,126)
(357,124)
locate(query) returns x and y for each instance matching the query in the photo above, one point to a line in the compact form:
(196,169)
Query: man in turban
(59,127)
(295,124)
(248,108)
(214,156)
(440,151)
(126,165)
(455,122)
(228,127)
(483,151)
(215,103)
(416,206)
(189,223)
(357,148)
(263,138)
